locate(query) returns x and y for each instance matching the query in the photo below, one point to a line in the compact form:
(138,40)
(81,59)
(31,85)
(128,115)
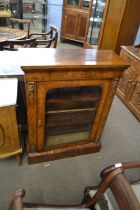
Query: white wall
(54,15)
(137,40)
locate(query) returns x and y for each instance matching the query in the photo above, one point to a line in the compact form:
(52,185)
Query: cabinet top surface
(30,59)
(69,58)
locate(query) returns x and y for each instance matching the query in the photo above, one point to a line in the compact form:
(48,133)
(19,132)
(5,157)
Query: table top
(11,33)
(70,58)
(12,67)
(9,95)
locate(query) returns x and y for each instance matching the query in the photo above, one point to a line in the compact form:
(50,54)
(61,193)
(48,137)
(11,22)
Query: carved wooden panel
(135,98)
(129,85)
(82,27)
(125,82)
(70,19)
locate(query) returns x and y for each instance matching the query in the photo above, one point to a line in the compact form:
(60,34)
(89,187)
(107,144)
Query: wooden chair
(113,178)
(20,23)
(48,39)
(26,43)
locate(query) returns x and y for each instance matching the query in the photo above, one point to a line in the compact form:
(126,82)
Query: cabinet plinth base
(64,151)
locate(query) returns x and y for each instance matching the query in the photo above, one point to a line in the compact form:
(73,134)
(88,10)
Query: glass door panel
(73,2)
(96,21)
(85,3)
(5,12)
(37,12)
(70,113)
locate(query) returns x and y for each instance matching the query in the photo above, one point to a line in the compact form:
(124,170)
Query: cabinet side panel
(111,21)
(129,25)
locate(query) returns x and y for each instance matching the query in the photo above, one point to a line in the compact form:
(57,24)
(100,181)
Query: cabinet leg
(19,158)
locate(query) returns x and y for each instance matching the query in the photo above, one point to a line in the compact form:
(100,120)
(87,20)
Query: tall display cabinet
(75,20)
(120,24)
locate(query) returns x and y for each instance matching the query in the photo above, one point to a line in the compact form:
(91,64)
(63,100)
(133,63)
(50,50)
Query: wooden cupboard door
(70,21)
(82,27)
(134,101)
(9,138)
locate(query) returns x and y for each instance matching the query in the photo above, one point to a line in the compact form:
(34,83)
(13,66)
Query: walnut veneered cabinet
(75,19)
(69,94)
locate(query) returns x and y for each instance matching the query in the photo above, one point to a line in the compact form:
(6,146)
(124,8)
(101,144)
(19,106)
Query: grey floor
(63,181)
